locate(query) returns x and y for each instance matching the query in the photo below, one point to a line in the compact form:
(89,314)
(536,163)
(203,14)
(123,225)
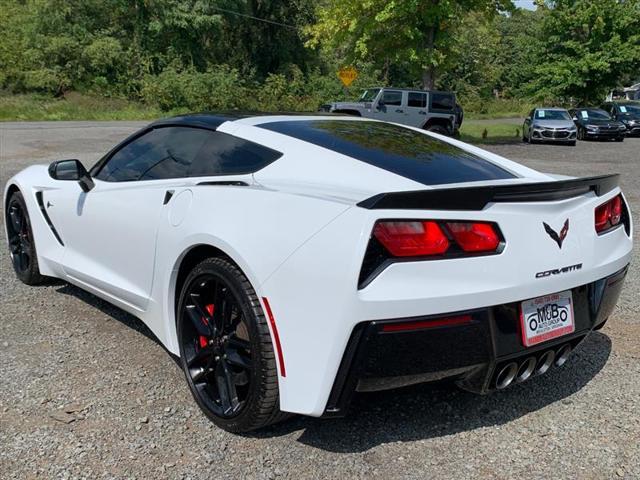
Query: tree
(588,47)
(415,33)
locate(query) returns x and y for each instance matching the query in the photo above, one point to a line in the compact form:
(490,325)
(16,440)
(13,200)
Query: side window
(392,97)
(417,100)
(166,152)
(224,154)
(442,102)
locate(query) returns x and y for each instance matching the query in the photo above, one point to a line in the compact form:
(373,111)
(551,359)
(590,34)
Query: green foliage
(416,34)
(180,55)
(587,47)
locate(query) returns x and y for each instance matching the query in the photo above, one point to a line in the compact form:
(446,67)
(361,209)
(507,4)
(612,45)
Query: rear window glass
(442,102)
(405,152)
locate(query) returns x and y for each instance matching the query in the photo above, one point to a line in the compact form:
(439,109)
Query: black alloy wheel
(21,243)
(225,348)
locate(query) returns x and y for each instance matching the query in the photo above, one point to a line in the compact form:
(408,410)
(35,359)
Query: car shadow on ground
(429,411)
(419,412)
(108,309)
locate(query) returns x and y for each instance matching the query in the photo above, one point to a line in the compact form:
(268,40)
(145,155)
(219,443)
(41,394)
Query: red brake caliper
(204,341)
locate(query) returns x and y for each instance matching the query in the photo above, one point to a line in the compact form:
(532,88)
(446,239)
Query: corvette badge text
(558,271)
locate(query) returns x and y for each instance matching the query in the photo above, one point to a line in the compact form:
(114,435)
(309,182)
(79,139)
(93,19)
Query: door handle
(422,112)
(167,196)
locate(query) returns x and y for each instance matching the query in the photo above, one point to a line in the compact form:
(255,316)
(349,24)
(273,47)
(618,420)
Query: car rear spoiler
(477,198)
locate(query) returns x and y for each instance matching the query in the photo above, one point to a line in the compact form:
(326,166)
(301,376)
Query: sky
(528,4)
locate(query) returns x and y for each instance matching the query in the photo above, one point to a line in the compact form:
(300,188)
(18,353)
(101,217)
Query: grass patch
(74,106)
(496,108)
(490,132)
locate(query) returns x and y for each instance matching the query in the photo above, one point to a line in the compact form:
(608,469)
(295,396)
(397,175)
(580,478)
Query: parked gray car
(432,110)
(549,125)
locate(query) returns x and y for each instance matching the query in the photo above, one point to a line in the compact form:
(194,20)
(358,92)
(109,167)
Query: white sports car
(291,261)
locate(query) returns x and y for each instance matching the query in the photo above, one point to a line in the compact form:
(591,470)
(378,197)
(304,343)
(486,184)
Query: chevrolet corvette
(292,261)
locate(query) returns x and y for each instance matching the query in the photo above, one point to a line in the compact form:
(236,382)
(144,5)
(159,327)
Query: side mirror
(380,105)
(71,170)
(575,119)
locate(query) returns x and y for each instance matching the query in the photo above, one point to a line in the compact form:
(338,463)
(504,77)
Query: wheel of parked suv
(225,348)
(21,243)
(438,129)
(572,144)
(620,139)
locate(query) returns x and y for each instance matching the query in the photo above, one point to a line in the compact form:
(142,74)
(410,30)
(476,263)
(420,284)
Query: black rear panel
(396,149)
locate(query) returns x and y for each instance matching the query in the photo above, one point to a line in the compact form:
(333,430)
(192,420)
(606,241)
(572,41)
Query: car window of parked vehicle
(369,95)
(400,150)
(392,97)
(442,102)
(595,114)
(417,100)
(552,115)
(224,154)
(160,153)
(629,110)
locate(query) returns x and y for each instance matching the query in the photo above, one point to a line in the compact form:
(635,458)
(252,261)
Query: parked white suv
(432,110)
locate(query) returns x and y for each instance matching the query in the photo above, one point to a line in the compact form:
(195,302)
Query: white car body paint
(299,237)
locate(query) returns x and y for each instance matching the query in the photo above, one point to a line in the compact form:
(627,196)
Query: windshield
(552,115)
(369,95)
(593,114)
(630,110)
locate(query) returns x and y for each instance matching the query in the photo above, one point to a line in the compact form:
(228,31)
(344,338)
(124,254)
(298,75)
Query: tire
(22,245)
(572,144)
(240,361)
(620,139)
(438,129)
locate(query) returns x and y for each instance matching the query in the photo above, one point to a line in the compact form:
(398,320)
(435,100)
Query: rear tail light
(422,238)
(474,237)
(411,239)
(397,240)
(610,214)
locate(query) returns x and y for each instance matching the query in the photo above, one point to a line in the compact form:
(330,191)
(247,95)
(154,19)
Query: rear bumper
(473,354)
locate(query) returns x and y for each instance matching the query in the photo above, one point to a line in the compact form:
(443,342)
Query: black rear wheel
(225,348)
(21,242)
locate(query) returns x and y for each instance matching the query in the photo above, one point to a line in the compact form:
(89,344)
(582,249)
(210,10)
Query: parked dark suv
(627,112)
(595,123)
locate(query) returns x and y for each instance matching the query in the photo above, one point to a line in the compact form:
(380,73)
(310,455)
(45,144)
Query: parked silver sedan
(549,125)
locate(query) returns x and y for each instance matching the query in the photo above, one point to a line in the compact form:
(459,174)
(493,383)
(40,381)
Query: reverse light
(609,214)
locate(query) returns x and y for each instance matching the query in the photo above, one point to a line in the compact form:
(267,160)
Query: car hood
(553,123)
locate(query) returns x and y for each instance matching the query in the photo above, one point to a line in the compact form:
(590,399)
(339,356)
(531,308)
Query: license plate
(547,317)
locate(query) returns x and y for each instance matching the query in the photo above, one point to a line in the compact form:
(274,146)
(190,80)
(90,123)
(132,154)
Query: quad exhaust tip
(545,362)
(518,372)
(506,375)
(562,354)
(526,369)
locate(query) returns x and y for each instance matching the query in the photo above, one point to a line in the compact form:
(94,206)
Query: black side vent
(46,217)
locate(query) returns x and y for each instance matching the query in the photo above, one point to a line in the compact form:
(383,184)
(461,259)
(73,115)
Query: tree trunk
(429,73)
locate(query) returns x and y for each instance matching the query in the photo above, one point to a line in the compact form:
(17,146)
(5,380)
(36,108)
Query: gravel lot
(88,393)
